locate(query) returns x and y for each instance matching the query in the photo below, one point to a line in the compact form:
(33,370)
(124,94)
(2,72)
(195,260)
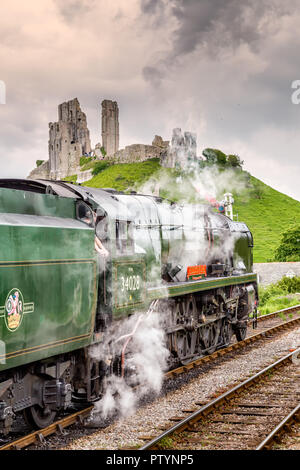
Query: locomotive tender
(58,297)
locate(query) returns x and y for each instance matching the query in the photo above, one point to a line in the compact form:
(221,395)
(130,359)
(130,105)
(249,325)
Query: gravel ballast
(215,379)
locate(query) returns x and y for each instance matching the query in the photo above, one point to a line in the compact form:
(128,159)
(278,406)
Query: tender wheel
(38,418)
(240,333)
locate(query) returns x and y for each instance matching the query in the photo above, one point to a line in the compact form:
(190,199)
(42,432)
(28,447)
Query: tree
(289,246)
(214,156)
(210,156)
(235,161)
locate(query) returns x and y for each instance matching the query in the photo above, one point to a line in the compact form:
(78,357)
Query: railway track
(38,437)
(58,427)
(242,417)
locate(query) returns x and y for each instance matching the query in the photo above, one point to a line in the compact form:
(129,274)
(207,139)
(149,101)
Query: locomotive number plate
(129,283)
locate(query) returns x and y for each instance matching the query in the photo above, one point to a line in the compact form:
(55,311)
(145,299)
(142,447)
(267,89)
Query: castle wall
(137,153)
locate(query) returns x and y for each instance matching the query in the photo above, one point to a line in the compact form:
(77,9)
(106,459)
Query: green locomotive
(58,297)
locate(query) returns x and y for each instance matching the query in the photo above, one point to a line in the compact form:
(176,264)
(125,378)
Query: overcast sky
(220,68)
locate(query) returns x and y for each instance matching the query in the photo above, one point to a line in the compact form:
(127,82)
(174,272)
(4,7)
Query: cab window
(85,214)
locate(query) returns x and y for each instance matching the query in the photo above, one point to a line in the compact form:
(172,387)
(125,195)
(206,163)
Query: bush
(100,166)
(285,286)
(289,246)
(39,162)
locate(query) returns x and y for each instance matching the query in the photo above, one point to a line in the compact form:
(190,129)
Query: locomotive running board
(188,287)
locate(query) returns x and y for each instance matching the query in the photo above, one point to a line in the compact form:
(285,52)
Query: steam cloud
(146,361)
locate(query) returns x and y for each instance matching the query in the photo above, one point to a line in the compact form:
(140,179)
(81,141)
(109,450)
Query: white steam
(210,182)
(141,339)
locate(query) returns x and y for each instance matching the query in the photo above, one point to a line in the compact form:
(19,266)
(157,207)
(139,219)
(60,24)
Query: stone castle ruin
(110,127)
(183,150)
(69,140)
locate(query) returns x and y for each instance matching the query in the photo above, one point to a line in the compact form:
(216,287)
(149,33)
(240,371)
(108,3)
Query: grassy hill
(125,175)
(267,212)
(267,216)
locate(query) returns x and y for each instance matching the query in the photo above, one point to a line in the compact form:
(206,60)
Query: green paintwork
(129,284)
(50,262)
(24,202)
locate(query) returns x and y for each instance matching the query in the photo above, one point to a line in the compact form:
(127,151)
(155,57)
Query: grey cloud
(222,23)
(211,26)
(157,12)
(73,9)
(151,6)
(153,75)
(215,24)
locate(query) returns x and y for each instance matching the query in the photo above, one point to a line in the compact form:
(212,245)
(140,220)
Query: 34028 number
(130,283)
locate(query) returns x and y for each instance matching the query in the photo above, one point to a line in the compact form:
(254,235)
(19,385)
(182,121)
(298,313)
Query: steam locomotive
(58,297)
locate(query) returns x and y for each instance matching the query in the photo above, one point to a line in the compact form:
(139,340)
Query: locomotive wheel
(185,346)
(240,333)
(37,417)
(186,341)
(227,333)
(209,335)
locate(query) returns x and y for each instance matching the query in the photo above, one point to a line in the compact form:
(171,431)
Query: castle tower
(110,127)
(69,139)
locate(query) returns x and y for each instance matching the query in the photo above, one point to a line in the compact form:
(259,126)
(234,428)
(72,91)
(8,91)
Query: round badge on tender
(14,306)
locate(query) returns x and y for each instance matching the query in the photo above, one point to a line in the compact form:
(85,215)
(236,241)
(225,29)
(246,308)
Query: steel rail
(292,416)
(291,309)
(217,402)
(56,427)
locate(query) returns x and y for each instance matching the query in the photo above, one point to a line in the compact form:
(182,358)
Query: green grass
(279,303)
(166,443)
(125,176)
(282,294)
(267,218)
(267,212)
(70,179)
